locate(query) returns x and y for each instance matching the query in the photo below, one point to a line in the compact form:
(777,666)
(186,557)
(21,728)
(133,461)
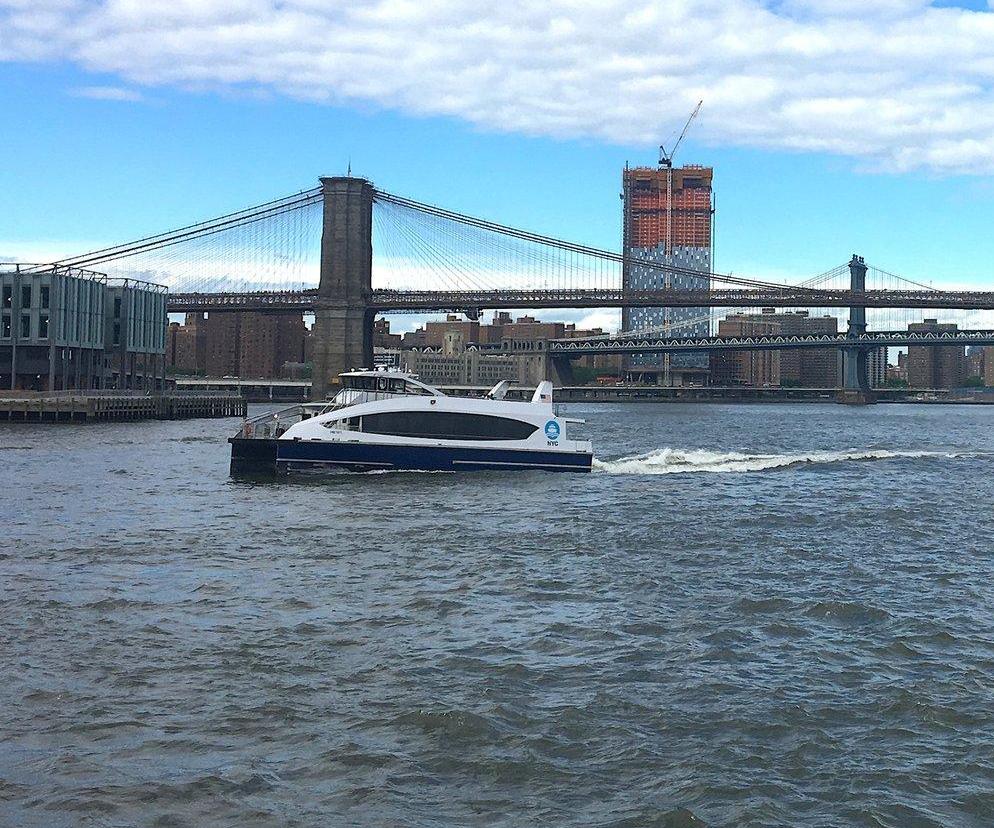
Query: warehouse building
(68,328)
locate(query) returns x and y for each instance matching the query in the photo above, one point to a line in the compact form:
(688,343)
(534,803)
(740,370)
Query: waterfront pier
(97,406)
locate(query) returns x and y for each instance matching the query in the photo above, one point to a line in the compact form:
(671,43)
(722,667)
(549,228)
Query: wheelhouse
(370,386)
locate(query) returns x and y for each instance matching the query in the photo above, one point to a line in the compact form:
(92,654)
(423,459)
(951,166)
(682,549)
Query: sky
(834,126)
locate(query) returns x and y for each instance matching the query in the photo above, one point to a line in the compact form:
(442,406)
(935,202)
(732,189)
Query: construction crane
(666,158)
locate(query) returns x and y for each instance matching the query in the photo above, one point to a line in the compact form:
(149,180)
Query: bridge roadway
(383,301)
(633,344)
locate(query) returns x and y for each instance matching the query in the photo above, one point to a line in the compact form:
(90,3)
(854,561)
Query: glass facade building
(57,328)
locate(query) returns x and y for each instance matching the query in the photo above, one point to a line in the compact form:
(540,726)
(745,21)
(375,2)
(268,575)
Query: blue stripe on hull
(296,454)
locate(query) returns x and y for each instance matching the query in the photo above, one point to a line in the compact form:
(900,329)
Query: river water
(746,616)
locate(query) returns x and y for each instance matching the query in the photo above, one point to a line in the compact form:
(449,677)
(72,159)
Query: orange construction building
(646,213)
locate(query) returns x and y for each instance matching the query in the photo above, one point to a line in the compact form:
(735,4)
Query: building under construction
(667,221)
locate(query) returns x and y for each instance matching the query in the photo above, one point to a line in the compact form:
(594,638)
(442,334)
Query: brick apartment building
(382,338)
(754,368)
(267,341)
(455,335)
(186,345)
(805,368)
(935,367)
(223,339)
(468,329)
(237,344)
(810,367)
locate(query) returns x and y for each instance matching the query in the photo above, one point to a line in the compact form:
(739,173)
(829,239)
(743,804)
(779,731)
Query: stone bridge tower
(343,321)
(855,384)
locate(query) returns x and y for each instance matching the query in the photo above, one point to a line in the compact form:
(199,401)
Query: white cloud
(607,319)
(897,84)
(107,93)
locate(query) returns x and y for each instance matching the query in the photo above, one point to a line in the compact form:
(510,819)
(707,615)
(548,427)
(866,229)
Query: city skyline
(787,208)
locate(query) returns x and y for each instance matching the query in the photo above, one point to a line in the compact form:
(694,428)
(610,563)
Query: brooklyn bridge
(347,251)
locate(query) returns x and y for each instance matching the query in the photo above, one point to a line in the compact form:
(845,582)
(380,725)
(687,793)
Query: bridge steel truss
(414,301)
(769,342)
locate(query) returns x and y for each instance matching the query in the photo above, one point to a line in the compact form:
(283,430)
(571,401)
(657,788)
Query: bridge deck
(398,301)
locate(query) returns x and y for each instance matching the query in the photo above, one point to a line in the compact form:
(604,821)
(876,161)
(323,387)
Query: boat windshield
(369,388)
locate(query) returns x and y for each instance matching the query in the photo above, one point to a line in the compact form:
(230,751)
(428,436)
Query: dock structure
(102,406)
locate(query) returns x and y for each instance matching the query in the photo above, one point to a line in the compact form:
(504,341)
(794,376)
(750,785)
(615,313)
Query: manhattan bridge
(346,251)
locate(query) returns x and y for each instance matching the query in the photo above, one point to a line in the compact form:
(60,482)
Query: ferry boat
(386,419)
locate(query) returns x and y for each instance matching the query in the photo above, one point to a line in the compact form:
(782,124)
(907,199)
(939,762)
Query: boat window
(346,424)
(446,425)
(381,387)
(362,383)
(417,390)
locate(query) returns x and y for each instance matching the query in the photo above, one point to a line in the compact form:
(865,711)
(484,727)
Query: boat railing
(355,396)
(273,424)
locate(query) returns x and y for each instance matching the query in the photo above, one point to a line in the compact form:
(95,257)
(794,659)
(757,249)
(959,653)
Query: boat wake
(681,461)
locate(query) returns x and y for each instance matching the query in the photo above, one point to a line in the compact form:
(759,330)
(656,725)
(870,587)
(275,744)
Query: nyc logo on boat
(552,430)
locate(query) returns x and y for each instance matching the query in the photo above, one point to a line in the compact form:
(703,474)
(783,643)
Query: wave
(685,461)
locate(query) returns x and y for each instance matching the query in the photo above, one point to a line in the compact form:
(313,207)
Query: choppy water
(790,625)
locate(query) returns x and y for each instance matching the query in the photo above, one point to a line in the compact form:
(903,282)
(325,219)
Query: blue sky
(95,151)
